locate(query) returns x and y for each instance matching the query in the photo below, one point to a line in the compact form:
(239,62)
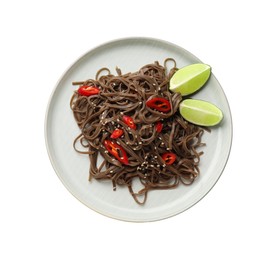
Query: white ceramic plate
(72,168)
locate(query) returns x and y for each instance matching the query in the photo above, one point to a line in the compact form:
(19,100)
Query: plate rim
(48,107)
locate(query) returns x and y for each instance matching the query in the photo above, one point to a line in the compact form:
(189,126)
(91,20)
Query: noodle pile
(126,94)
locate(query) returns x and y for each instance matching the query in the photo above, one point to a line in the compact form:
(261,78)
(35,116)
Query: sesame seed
(140,102)
(111,171)
(140,142)
(117,119)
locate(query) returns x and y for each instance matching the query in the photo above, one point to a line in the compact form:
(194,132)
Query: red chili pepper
(88,90)
(129,121)
(169,158)
(117,133)
(117,151)
(159,103)
(159,126)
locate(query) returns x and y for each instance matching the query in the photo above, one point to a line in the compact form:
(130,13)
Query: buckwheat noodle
(126,94)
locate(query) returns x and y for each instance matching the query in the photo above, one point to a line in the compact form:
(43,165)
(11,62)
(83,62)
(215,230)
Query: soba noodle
(126,95)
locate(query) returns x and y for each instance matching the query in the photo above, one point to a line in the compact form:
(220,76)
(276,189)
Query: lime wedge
(189,79)
(200,112)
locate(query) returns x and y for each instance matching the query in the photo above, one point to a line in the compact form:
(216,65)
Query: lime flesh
(189,79)
(200,112)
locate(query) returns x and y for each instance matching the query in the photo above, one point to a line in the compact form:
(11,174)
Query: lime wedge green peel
(189,79)
(200,112)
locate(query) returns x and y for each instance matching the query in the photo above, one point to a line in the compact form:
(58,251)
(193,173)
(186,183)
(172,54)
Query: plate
(72,168)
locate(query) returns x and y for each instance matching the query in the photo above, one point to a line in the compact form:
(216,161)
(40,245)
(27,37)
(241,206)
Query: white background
(40,219)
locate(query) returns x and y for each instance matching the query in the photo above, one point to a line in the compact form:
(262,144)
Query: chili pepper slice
(159,103)
(117,151)
(159,126)
(129,121)
(116,133)
(88,90)
(169,158)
